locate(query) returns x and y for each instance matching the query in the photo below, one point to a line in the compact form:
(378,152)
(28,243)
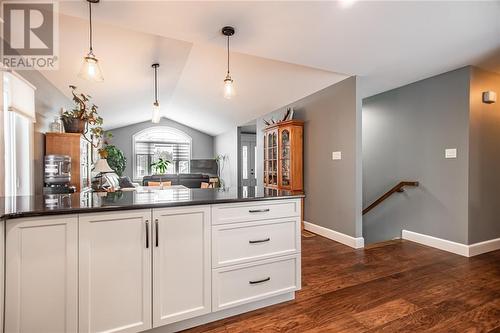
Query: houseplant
(116,159)
(83,118)
(161,166)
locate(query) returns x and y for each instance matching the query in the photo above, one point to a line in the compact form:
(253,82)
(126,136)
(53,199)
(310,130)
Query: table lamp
(102,167)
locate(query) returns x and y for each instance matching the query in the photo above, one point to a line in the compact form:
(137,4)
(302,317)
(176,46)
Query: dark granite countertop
(86,202)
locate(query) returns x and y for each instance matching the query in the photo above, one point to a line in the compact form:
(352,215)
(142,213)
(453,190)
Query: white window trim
(165,128)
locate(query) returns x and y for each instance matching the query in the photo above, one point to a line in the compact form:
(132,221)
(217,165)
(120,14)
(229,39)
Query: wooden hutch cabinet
(80,151)
(283,160)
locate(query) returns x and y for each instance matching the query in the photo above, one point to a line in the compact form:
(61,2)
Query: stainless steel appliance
(57,174)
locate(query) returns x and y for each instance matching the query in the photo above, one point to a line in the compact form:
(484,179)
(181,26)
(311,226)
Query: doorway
(247,165)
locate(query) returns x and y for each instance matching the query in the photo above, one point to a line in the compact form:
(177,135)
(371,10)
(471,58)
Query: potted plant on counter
(83,118)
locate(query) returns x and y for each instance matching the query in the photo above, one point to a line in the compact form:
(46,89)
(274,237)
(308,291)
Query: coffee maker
(57,175)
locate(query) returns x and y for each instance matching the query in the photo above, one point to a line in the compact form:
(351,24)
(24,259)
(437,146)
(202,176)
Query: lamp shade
(102,166)
(156,113)
(91,70)
(229,90)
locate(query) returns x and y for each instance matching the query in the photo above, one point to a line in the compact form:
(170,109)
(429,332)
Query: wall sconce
(489,97)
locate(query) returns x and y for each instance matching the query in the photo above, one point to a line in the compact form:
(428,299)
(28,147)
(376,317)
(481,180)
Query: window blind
(20,95)
(180,151)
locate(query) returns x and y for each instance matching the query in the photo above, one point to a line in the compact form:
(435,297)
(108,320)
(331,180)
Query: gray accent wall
(332,123)
(484,163)
(405,134)
(202,143)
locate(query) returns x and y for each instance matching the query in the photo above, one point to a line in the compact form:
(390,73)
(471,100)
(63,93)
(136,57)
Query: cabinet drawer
(251,211)
(249,241)
(237,285)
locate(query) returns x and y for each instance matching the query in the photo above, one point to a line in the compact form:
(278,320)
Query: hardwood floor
(396,286)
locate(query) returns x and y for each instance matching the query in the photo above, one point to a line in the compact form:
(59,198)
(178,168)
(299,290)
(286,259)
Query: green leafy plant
(116,159)
(85,112)
(161,166)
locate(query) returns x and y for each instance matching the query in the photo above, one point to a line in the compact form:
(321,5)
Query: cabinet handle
(260,281)
(260,241)
(147,234)
(157,227)
(259,210)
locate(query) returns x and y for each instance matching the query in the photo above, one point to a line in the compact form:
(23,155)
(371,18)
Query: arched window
(161,141)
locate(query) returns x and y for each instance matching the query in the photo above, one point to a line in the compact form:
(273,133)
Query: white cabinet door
(2,275)
(115,272)
(181,264)
(41,293)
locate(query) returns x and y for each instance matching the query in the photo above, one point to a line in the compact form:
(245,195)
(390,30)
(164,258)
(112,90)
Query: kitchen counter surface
(87,202)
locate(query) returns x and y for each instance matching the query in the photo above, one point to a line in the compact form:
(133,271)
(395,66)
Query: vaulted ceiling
(282,51)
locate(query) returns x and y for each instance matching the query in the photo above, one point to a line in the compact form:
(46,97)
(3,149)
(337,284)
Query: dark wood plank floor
(397,286)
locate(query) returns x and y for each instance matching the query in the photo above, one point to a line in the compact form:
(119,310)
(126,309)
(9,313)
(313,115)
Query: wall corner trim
(354,242)
(453,247)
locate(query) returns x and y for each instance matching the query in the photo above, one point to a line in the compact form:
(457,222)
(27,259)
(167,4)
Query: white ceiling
(283,51)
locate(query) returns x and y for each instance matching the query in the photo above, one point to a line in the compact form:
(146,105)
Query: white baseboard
(354,242)
(437,243)
(483,247)
(453,247)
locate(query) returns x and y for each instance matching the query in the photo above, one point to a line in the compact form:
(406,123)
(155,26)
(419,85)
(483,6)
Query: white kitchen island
(129,265)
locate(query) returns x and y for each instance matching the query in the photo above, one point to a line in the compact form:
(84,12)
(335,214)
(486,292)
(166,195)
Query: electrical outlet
(336,155)
(450,153)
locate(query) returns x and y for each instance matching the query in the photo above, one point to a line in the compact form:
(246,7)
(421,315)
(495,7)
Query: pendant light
(90,69)
(229,90)
(156,104)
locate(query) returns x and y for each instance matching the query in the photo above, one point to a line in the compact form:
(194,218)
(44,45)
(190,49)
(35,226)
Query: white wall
(227,144)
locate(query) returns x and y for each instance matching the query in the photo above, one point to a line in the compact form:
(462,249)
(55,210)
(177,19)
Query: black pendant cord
(228,55)
(90,29)
(156,85)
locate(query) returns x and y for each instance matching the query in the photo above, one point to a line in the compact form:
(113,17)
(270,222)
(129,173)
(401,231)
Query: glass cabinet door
(266,171)
(284,156)
(271,158)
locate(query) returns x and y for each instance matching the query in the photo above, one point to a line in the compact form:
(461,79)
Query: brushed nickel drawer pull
(147,234)
(260,241)
(259,210)
(260,281)
(157,228)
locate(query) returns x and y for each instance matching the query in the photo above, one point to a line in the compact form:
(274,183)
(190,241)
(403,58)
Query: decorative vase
(74,125)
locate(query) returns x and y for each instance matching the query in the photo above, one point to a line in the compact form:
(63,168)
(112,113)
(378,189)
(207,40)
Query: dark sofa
(190,180)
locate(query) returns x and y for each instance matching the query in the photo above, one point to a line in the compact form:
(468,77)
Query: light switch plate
(450,153)
(336,155)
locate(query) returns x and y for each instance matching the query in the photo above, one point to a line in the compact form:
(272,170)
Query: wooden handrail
(398,188)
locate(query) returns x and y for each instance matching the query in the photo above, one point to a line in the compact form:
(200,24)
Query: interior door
(115,272)
(248,159)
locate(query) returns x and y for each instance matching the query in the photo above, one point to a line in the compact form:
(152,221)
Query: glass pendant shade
(229,90)
(91,70)
(155,119)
